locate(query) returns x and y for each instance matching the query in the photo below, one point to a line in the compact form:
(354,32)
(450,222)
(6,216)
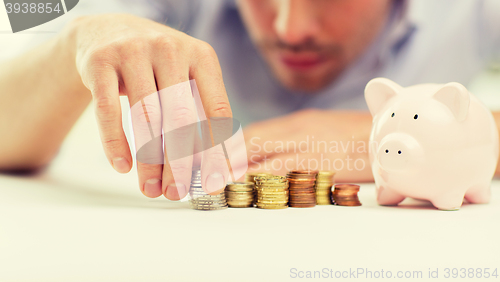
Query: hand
(126,55)
(312,139)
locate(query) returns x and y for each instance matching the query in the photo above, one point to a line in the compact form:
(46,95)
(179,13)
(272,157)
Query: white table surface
(81,221)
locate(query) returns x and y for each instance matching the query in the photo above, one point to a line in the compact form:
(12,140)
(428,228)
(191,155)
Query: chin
(303,83)
(302,87)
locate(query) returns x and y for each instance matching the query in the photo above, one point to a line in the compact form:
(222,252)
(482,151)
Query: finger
(146,121)
(238,158)
(179,124)
(208,77)
(105,93)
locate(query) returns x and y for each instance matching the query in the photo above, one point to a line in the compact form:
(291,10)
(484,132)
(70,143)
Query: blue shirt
(424,41)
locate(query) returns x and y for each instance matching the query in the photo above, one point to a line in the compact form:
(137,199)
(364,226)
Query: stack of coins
(240,194)
(324,182)
(201,200)
(250,177)
(272,192)
(301,186)
(346,195)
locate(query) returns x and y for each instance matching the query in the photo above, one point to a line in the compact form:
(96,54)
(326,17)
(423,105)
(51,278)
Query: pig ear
(456,97)
(378,91)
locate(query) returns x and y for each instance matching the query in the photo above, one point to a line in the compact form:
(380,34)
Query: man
(280,60)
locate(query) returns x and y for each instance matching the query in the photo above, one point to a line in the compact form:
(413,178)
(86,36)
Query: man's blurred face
(308,43)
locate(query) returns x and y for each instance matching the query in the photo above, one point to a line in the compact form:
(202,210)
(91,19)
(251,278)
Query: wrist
(65,48)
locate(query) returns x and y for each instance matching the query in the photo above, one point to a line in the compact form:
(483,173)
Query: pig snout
(399,151)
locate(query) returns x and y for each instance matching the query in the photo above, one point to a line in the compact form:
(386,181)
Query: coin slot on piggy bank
(435,142)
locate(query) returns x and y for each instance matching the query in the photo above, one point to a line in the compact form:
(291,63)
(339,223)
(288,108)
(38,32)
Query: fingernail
(121,165)
(215,182)
(176,191)
(152,187)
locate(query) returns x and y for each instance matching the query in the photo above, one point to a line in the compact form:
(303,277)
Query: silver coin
(202,199)
(207,195)
(205,198)
(208,204)
(211,209)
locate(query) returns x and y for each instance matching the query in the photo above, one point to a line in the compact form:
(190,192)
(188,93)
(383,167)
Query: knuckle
(111,143)
(96,59)
(221,107)
(167,45)
(149,113)
(217,154)
(100,55)
(105,109)
(182,116)
(95,63)
(206,51)
(103,102)
(177,168)
(149,168)
(132,47)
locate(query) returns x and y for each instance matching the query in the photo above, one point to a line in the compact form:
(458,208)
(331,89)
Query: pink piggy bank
(435,142)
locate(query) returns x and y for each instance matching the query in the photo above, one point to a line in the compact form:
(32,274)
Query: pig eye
(392,115)
(415,116)
(399,152)
(386,151)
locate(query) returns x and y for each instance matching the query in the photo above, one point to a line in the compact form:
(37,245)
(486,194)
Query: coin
(324,183)
(200,200)
(274,207)
(303,205)
(250,177)
(346,195)
(302,188)
(272,192)
(240,194)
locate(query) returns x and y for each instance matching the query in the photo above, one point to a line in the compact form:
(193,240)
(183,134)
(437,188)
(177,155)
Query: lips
(301,62)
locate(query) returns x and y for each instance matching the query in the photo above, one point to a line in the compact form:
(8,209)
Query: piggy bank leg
(448,202)
(479,194)
(387,197)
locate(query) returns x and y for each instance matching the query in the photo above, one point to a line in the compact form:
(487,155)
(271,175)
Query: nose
(398,151)
(296,21)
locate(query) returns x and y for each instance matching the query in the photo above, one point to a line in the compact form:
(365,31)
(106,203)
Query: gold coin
(250,176)
(273,207)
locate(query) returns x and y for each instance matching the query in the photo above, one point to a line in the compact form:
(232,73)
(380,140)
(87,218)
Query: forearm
(41,97)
